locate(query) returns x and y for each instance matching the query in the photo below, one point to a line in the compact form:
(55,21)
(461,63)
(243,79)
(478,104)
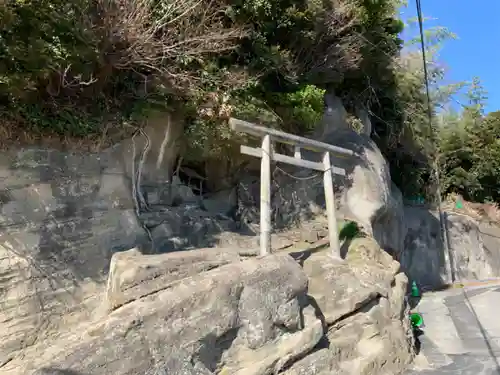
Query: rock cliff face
(76,300)
(212,312)
(62,216)
(67,212)
(474,248)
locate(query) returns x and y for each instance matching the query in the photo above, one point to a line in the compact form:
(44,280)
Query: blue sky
(476,52)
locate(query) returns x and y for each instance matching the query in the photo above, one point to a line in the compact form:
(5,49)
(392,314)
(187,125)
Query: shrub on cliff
(67,65)
(86,69)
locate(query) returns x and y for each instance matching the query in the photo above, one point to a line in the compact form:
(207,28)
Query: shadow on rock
(55,371)
(417,332)
(423,258)
(414,301)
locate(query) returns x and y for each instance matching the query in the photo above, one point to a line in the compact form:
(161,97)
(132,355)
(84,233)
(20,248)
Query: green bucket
(416,320)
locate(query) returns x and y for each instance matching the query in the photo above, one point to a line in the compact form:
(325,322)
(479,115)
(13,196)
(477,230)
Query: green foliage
(470,149)
(306,107)
(298,111)
(210,137)
(68,67)
(350,230)
(72,68)
(403,131)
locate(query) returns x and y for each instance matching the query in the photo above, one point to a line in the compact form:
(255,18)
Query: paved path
(461,333)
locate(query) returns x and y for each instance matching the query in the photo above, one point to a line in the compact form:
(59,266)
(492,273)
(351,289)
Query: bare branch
(164,37)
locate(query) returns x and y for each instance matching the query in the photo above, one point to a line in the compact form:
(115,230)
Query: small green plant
(349,231)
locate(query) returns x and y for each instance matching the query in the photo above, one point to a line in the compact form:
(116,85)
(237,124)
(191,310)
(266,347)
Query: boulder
(223,202)
(362,302)
(367,195)
(133,276)
(249,317)
(209,312)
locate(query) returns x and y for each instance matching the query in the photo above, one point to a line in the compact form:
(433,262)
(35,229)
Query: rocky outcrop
(62,217)
(73,300)
(473,248)
(64,208)
(211,312)
(367,330)
(367,194)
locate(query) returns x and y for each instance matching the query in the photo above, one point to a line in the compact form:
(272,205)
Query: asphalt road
(461,334)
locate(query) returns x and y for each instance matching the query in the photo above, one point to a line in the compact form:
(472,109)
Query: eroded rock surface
(211,312)
(250,315)
(73,302)
(133,276)
(363,305)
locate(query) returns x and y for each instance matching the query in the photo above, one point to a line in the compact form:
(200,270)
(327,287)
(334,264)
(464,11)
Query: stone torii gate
(266,154)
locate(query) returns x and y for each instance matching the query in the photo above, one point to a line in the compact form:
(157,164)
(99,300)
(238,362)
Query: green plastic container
(414,290)
(416,320)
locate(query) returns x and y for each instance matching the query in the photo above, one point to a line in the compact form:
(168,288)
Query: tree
(470,150)
(80,69)
(403,130)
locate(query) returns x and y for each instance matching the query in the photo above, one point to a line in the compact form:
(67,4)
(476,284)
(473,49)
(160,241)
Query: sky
(476,51)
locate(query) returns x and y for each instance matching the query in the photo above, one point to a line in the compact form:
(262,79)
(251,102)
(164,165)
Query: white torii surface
(266,154)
